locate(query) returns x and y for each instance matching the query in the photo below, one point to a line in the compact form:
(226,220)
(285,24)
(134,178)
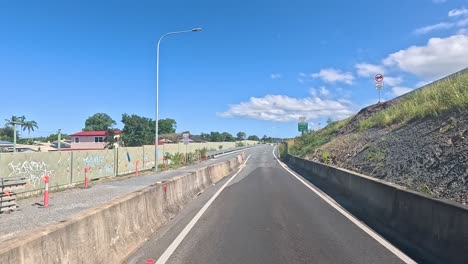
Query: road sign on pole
(302,126)
(185,138)
(379,78)
(379,85)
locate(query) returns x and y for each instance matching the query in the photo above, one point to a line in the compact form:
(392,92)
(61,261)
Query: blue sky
(256,66)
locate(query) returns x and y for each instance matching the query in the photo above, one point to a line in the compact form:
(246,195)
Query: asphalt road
(264,215)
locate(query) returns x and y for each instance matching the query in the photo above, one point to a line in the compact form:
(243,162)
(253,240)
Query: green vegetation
(376,155)
(99,122)
(253,137)
(137,130)
(447,95)
(310,141)
(239,144)
(241,135)
(217,137)
(167,126)
(283,150)
(425,189)
(6,133)
(326,157)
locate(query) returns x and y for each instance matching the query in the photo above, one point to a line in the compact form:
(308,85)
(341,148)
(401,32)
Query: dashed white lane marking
(350,217)
(170,250)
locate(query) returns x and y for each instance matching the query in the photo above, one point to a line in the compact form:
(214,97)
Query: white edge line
(350,217)
(173,246)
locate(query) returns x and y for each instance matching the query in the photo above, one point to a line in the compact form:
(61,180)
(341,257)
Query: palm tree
(29,125)
(13,119)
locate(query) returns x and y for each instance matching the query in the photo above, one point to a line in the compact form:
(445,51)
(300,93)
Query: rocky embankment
(428,155)
(419,140)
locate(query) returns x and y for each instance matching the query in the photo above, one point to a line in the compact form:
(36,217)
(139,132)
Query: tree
(99,122)
(205,136)
(54,137)
(329,120)
(253,137)
(137,130)
(241,136)
(110,138)
(22,122)
(215,137)
(6,133)
(167,126)
(227,137)
(29,125)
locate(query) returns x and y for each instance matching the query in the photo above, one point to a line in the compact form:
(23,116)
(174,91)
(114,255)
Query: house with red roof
(91,139)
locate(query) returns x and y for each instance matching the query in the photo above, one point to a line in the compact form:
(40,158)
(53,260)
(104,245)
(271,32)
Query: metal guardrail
(212,154)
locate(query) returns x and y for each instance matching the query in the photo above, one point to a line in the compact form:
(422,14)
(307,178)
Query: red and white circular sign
(378,78)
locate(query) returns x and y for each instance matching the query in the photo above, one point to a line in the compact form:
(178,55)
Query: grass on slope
(309,142)
(446,95)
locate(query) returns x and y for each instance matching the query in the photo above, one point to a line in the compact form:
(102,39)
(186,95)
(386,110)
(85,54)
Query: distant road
(264,215)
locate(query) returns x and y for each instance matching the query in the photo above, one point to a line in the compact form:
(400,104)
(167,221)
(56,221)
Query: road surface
(264,214)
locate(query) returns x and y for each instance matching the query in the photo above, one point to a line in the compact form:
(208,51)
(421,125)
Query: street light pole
(157,91)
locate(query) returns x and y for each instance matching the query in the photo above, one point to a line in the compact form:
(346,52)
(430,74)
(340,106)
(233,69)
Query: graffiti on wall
(98,164)
(31,170)
(93,161)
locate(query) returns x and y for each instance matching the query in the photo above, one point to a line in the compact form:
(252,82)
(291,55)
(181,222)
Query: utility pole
(14,136)
(14,133)
(59,132)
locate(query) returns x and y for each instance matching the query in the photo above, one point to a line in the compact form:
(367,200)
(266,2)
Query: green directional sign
(302,127)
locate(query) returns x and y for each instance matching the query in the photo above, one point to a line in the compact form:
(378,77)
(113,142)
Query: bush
(239,144)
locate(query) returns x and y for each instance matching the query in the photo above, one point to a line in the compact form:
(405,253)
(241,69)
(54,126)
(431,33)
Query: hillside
(418,140)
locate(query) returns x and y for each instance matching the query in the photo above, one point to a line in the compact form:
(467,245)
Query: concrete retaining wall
(427,229)
(107,234)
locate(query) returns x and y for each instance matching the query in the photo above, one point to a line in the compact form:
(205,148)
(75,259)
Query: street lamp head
(196,29)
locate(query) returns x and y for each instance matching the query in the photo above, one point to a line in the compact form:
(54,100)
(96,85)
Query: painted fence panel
(35,165)
(101,163)
(148,157)
(128,158)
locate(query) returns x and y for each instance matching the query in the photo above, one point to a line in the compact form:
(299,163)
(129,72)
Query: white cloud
(322,91)
(440,57)
(284,108)
(430,28)
(400,90)
(393,81)
(367,70)
(275,76)
(332,76)
(313,92)
(458,12)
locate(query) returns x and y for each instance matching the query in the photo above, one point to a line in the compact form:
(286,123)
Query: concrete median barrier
(107,234)
(429,230)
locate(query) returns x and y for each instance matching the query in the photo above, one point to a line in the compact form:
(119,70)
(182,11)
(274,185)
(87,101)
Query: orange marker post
(46,191)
